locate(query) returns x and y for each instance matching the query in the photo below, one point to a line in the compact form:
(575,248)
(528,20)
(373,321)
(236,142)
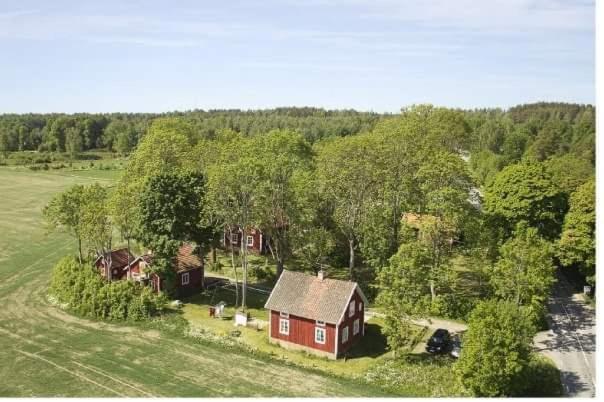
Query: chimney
(321,274)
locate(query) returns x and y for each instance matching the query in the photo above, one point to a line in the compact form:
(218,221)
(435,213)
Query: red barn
(255,240)
(111,265)
(188,266)
(319,315)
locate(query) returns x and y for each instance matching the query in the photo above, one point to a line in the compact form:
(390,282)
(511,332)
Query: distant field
(46,352)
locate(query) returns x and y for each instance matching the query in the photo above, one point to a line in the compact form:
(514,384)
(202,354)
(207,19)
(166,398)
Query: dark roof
(308,296)
(186,259)
(119,258)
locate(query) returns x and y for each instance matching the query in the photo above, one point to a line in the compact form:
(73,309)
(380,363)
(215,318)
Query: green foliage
(404,291)
(496,350)
(86,293)
(577,242)
(524,273)
(526,192)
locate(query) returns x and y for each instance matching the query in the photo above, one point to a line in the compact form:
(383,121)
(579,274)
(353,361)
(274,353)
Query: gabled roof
(185,260)
(119,258)
(308,296)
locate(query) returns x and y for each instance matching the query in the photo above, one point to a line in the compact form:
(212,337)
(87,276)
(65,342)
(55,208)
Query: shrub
(86,293)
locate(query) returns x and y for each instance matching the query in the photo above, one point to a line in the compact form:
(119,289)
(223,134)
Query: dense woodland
(410,205)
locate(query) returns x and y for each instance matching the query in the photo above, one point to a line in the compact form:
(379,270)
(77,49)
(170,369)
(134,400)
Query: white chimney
(321,274)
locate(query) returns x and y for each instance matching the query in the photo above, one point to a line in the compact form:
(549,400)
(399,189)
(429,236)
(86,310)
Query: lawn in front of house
(370,350)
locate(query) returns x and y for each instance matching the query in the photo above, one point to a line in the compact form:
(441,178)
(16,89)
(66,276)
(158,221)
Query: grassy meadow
(48,352)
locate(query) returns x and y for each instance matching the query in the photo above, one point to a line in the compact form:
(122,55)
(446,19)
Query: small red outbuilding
(316,314)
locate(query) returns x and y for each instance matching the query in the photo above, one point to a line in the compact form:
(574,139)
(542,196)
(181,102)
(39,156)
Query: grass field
(47,352)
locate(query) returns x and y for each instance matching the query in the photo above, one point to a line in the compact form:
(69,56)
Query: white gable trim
(275,287)
(356,287)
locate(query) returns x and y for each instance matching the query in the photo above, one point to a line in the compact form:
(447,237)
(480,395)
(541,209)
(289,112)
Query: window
(234,238)
(284,326)
(184,279)
(320,323)
(355,328)
(345,334)
(360,306)
(250,241)
(351,309)
(320,335)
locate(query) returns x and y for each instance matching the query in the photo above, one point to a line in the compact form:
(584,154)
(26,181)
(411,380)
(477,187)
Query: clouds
(385,53)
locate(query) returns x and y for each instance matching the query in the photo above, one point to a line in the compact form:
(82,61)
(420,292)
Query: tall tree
(284,157)
(524,273)
(526,192)
(171,209)
(346,180)
(497,349)
(65,211)
(577,244)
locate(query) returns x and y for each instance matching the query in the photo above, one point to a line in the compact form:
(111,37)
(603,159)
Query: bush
(86,293)
(542,377)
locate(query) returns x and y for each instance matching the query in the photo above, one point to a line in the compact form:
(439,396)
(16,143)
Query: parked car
(438,342)
(455,346)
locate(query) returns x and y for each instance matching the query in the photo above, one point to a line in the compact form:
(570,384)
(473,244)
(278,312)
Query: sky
(379,55)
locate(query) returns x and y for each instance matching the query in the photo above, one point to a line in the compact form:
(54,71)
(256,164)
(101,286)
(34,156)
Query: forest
(463,214)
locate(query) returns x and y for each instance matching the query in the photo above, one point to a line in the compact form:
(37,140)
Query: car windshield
(436,339)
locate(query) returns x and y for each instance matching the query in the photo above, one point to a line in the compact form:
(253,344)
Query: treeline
(537,131)
(121,132)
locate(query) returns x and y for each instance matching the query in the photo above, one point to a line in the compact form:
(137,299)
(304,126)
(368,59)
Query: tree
(314,244)
(73,142)
(404,292)
(232,193)
(81,210)
(284,157)
(524,273)
(96,225)
(569,171)
(171,210)
(122,208)
(526,192)
(65,211)
(496,350)
(577,242)
(345,178)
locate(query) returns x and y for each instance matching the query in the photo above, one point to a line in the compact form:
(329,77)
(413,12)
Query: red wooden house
(187,264)
(255,240)
(319,315)
(111,265)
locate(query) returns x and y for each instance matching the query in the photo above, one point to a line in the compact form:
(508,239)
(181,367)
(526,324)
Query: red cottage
(188,266)
(255,240)
(319,315)
(111,265)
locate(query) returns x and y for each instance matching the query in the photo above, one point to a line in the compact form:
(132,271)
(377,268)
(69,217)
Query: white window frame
(351,308)
(320,323)
(345,334)
(184,278)
(284,326)
(320,330)
(248,242)
(360,306)
(234,238)
(356,327)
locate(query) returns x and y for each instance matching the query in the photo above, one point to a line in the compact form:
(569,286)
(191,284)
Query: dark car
(455,346)
(438,342)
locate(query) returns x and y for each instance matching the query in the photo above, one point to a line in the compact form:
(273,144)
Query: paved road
(571,341)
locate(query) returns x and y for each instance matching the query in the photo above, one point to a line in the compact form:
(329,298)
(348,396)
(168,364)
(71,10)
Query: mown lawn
(370,351)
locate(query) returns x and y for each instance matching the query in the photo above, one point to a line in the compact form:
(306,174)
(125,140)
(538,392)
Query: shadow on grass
(373,344)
